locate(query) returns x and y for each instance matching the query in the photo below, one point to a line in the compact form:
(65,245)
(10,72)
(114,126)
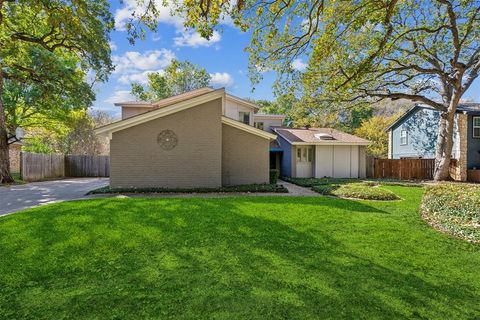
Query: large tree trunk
(443,153)
(5,176)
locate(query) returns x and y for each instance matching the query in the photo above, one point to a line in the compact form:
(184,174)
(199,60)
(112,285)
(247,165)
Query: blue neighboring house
(414,135)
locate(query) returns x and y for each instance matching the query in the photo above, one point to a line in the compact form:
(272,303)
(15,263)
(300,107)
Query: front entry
(304,162)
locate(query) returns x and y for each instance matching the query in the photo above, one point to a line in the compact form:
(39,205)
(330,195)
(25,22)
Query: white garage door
(336,161)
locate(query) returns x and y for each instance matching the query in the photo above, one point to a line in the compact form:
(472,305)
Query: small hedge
(274,176)
(453,208)
(242,188)
(362,190)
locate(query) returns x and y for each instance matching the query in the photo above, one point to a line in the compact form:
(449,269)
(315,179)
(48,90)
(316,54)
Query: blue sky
(223,57)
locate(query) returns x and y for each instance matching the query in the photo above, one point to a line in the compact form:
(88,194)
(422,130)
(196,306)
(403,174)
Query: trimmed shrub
(362,190)
(274,173)
(242,188)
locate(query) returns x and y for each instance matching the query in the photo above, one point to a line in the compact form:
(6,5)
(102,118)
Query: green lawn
(235,258)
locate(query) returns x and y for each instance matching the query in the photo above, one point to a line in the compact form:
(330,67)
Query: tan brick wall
(14,155)
(245,157)
(137,160)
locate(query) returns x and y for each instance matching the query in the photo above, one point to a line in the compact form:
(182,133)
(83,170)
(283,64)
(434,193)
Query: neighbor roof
(304,136)
(469,107)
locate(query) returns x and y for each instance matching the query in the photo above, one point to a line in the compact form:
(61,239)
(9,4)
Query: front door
(304,162)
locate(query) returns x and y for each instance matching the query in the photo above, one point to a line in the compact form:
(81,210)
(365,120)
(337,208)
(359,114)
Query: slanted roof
(304,136)
(248,128)
(166,101)
(181,97)
(180,105)
(468,107)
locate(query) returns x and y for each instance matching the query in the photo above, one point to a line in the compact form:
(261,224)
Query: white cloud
(134,61)
(299,65)
(221,79)
(120,96)
(141,77)
(124,14)
(113,46)
(184,38)
(193,39)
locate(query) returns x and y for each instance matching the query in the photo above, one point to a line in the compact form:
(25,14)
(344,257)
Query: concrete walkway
(294,190)
(17,197)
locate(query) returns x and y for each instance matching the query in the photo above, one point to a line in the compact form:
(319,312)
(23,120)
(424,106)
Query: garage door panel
(354,156)
(323,161)
(341,161)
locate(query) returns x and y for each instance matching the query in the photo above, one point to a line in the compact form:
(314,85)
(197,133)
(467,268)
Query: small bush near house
(274,176)
(454,209)
(274,188)
(363,190)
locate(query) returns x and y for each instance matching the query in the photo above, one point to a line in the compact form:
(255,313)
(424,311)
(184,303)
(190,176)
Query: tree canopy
(178,77)
(47,50)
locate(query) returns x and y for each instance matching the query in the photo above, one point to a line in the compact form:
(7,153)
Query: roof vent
(323,136)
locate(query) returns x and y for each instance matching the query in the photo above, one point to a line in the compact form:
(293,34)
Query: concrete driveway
(18,197)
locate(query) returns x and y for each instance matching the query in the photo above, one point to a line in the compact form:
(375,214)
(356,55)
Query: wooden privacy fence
(408,169)
(87,166)
(37,167)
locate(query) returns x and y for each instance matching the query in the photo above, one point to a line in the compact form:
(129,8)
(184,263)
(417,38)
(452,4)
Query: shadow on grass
(205,258)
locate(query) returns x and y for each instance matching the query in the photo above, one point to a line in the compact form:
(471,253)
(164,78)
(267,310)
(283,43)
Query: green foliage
(274,173)
(179,77)
(373,129)
(454,208)
(359,190)
(234,257)
(241,188)
(47,48)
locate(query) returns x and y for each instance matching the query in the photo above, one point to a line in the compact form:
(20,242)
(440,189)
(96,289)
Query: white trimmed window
(304,154)
(476,127)
(403,137)
(244,117)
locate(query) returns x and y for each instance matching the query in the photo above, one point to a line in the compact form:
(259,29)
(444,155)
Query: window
(258,125)
(476,127)
(244,117)
(304,154)
(403,137)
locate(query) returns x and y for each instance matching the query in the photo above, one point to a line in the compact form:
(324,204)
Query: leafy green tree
(50,45)
(157,88)
(179,77)
(425,51)
(373,129)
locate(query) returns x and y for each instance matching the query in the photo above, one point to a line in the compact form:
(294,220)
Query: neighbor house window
(476,127)
(259,125)
(305,154)
(244,117)
(403,137)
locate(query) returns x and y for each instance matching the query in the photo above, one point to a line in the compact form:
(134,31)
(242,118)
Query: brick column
(461,152)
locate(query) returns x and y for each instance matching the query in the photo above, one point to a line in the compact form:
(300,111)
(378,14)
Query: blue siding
(286,163)
(473,158)
(422,128)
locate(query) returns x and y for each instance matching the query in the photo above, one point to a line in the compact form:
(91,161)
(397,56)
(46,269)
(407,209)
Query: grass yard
(235,258)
